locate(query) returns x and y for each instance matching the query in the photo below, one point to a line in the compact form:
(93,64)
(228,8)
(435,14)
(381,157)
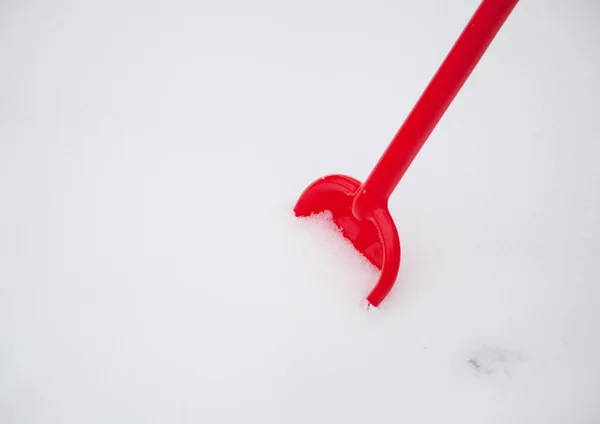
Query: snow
(151,268)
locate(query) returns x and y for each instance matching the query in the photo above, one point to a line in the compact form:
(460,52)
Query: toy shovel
(361,210)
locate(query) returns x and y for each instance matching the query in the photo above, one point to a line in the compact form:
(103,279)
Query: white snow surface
(151,267)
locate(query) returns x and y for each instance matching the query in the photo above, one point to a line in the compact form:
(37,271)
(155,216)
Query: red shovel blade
(375,236)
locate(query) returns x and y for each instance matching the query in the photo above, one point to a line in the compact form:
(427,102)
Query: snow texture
(151,268)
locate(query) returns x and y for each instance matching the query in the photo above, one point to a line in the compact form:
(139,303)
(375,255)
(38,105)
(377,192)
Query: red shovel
(360,210)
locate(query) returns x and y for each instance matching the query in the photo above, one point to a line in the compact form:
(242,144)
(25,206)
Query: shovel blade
(375,237)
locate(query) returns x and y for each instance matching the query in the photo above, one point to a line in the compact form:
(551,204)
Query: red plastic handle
(431,106)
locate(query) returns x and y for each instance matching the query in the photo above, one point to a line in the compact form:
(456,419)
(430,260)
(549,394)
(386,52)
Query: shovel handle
(431,106)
